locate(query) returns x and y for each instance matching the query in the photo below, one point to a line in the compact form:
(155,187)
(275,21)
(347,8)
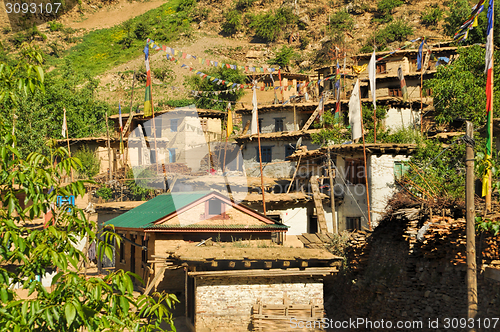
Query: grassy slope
(100,50)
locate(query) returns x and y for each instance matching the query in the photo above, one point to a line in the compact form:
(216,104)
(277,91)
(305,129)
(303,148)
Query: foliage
(339,244)
(487,225)
(283,57)
(458,11)
(242,5)
(232,22)
(368,123)
(139,188)
(431,16)
(90,163)
(104,192)
(94,53)
(177,102)
(441,168)
(332,131)
(164,74)
(55,26)
(186,5)
(40,115)
(401,136)
(340,23)
(271,25)
(197,83)
(385,9)
(74,302)
(23,78)
(304,42)
(398,30)
(200,13)
(458,88)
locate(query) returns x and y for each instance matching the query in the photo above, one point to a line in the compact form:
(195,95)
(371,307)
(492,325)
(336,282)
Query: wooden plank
(272,272)
(311,118)
(155,279)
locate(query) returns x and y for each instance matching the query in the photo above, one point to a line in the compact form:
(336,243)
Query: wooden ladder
(318,203)
(311,119)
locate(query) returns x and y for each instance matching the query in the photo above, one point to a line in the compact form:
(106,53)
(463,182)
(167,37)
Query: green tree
(26,252)
(217,101)
(232,23)
(458,89)
(283,57)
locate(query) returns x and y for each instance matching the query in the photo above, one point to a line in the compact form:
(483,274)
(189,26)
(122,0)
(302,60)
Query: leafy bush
(55,26)
(6,30)
(304,42)
(177,102)
(186,5)
(458,11)
(342,21)
(244,4)
(269,27)
(90,163)
(232,23)
(164,74)
(142,30)
(139,188)
(431,16)
(396,31)
(104,193)
(403,136)
(386,7)
(283,57)
(200,13)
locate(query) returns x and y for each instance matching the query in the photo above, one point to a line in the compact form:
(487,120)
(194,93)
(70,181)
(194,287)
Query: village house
(385,165)
(177,135)
(400,113)
(198,244)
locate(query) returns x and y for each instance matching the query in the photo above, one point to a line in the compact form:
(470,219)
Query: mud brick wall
(225,303)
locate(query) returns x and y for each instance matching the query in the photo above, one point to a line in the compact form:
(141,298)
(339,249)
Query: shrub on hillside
(232,23)
(458,11)
(244,4)
(55,26)
(142,30)
(385,9)
(269,26)
(431,16)
(396,31)
(283,57)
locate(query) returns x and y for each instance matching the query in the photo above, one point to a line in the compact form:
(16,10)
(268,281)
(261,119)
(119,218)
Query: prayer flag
(489,90)
(64,125)
(120,115)
(404,90)
(471,22)
(254,110)
(148,99)
(372,78)
(355,112)
(419,55)
(229,129)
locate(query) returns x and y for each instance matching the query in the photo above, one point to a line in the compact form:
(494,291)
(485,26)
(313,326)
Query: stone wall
(393,276)
(225,304)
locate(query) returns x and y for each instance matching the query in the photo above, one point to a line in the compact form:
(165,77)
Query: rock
(404,314)
(429,309)
(446,298)
(305,20)
(305,63)
(427,293)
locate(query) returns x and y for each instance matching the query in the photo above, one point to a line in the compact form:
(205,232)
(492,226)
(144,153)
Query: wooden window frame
(352,171)
(207,214)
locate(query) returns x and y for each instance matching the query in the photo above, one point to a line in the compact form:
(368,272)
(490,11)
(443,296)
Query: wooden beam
(265,273)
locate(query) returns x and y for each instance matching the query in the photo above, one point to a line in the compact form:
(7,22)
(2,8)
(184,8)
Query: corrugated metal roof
(154,209)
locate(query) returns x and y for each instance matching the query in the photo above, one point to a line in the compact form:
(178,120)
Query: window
(171,155)
(395,92)
(381,68)
(267,154)
(173,125)
(215,207)
(278,124)
(354,171)
(289,150)
(268,84)
(152,156)
(400,169)
(158,127)
(352,224)
(260,125)
(204,124)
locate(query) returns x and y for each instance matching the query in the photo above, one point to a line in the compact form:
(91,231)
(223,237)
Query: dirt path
(114,14)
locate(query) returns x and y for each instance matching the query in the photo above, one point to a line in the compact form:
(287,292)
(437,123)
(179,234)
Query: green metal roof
(160,206)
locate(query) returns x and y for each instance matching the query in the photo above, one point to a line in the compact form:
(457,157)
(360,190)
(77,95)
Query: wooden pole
(295,118)
(471,235)
(364,158)
(67,140)
(110,174)
(332,193)
(260,156)
(129,115)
